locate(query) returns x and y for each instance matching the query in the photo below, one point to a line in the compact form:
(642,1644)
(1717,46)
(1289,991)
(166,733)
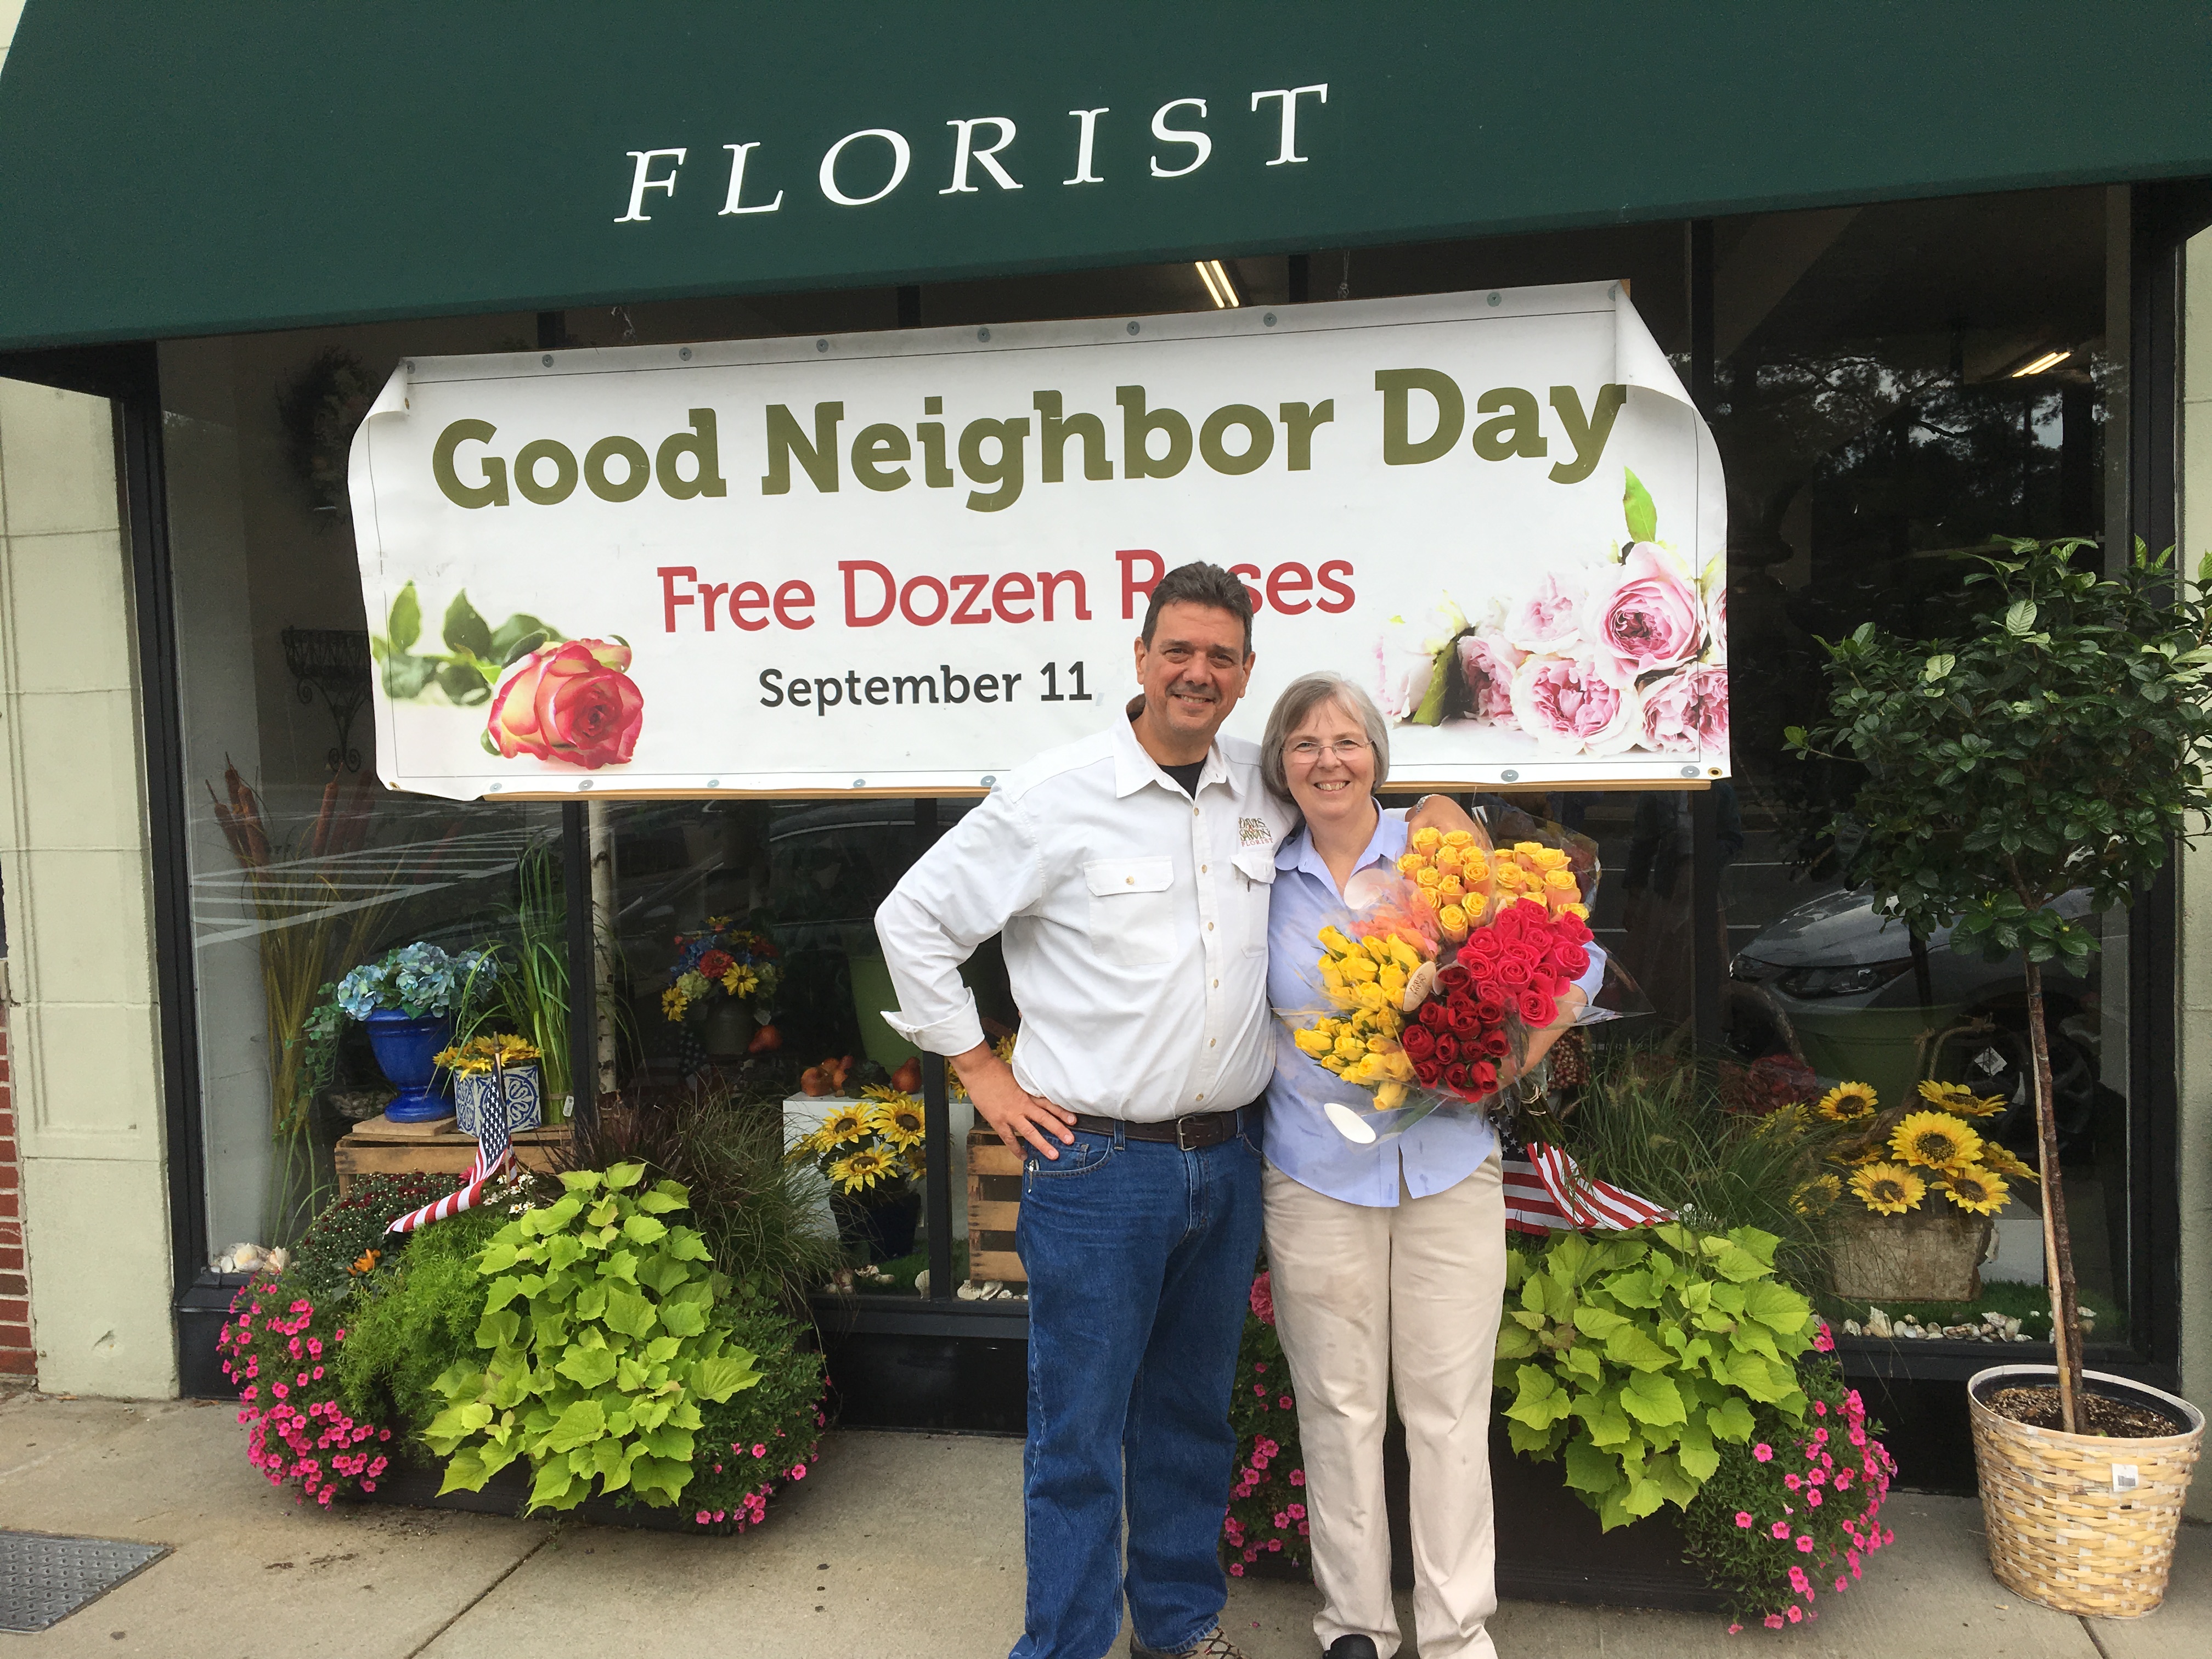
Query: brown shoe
(1212,1645)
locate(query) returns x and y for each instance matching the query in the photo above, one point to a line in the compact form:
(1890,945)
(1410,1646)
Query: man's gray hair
(1300,698)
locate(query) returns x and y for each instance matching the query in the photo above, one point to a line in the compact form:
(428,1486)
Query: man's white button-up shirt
(1135,928)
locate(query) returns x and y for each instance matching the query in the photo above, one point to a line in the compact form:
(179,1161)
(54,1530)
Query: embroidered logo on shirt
(1253,832)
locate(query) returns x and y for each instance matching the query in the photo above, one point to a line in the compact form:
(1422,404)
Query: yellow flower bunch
(478,1054)
(1932,1148)
(673,1003)
(1463,883)
(1367,980)
(740,980)
(864,1145)
(895,1116)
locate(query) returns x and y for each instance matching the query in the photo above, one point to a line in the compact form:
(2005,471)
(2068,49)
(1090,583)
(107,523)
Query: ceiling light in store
(1219,288)
(2048,360)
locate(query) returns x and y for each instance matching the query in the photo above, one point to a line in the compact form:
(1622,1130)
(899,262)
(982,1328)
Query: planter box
(1928,1255)
(380,1147)
(506,1492)
(994,1208)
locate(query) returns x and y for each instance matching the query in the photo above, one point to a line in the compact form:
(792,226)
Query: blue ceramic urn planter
(407,1049)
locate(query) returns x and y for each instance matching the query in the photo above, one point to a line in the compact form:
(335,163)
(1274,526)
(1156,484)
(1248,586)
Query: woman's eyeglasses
(1308,752)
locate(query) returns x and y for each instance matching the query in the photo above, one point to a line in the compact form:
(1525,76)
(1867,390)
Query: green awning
(231,165)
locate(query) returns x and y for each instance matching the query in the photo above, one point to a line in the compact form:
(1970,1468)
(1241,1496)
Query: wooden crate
(994,1205)
(379,1148)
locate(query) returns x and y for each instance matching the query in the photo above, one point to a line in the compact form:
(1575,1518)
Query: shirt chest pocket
(1253,886)
(1132,911)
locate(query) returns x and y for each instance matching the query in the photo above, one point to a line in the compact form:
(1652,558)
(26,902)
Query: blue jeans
(1139,1257)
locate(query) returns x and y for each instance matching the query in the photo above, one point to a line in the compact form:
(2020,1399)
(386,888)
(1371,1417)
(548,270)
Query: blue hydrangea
(417,980)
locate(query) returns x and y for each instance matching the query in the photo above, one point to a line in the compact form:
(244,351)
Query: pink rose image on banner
(572,702)
(1572,705)
(1489,661)
(1548,619)
(1652,617)
(1687,711)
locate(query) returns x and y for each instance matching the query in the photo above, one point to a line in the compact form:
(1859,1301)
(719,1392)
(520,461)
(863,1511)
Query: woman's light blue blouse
(1436,1153)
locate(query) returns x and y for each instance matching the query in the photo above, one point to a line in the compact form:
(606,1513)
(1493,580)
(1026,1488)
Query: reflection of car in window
(1842,986)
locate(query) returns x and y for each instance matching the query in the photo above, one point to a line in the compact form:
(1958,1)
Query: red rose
(1496,1046)
(1464,1021)
(1481,946)
(571,702)
(1456,1078)
(1483,1076)
(1447,1048)
(1513,973)
(1454,978)
(1427,1071)
(1576,929)
(1492,1010)
(1537,1009)
(1432,1016)
(1573,960)
(1419,1041)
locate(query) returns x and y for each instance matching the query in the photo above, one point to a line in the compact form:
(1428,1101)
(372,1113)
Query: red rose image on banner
(572,702)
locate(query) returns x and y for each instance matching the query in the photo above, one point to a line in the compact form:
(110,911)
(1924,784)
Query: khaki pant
(1370,1301)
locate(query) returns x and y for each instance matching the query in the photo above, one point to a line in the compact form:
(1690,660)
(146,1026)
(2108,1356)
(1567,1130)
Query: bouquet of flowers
(1896,1157)
(871,1151)
(1443,971)
(719,963)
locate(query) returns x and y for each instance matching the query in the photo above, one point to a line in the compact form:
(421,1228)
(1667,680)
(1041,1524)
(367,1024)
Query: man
(1129,875)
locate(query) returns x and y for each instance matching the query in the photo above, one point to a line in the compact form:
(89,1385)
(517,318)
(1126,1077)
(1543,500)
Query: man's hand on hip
(1017,1115)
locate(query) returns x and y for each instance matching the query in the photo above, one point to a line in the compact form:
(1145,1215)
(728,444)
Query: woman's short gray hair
(1300,698)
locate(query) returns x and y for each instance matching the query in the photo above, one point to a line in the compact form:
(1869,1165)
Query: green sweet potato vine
(1634,1355)
(601,1319)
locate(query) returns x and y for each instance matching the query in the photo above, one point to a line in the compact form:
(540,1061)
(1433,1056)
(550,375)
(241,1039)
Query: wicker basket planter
(1930,1255)
(2084,1523)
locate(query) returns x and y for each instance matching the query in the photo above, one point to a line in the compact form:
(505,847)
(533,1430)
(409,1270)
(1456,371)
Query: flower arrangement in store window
(1896,1159)
(870,1150)
(720,963)
(1589,656)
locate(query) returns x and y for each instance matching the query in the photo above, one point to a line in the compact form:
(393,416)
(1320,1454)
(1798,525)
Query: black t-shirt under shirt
(1187,775)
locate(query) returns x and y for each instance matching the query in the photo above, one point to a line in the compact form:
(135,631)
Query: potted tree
(2059,748)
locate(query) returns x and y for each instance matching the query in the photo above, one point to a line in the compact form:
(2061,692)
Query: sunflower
(895,1116)
(1816,1195)
(1935,1141)
(1998,1159)
(1889,1188)
(846,1123)
(862,1170)
(1847,1100)
(1975,1190)
(1960,1100)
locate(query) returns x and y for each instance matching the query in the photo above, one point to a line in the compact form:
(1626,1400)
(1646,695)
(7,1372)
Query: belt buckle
(1183,1143)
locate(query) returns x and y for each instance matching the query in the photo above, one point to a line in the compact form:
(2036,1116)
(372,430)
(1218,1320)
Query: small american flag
(494,1152)
(1547,1192)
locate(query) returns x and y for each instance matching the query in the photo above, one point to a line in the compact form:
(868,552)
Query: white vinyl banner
(908,560)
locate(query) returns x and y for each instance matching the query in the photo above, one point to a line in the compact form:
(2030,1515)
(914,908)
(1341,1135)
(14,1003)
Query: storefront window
(302,866)
(1895,387)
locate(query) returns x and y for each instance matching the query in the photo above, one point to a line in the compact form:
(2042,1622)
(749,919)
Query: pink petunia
(1779,1529)
(1804,1545)
(1298,1477)
(1774,1621)
(1763,1452)
(1743,1517)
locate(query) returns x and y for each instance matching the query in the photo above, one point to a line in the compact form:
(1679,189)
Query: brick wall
(18,1358)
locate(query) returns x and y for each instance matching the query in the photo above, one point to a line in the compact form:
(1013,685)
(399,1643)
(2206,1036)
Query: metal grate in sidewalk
(43,1579)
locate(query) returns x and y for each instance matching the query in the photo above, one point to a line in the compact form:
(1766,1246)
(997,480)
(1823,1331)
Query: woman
(1389,1261)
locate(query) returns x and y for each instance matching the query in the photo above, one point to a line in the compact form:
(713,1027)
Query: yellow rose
(1411,863)
(1460,838)
(1316,1042)
(1427,840)
(1349,1047)
(1448,857)
(1403,953)
(1551,857)
(1425,898)
(1474,904)
(1528,849)
(1560,879)
(1580,912)
(1449,888)
(1343,996)
(1378,948)
(1453,920)
(1389,1095)
(1359,970)
(1335,942)
(1391,981)
(1425,877)
(1372,996)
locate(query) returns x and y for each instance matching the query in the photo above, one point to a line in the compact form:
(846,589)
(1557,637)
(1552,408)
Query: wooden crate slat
(994,1205)
(993,1217)
(1001,1264)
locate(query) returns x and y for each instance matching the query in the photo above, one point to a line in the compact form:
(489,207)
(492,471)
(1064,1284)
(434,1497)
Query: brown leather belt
(1193,1133)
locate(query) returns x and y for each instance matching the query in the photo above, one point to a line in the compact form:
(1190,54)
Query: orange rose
(570,703)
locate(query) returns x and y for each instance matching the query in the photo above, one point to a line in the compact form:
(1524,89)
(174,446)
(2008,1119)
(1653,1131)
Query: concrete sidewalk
(900,1546)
